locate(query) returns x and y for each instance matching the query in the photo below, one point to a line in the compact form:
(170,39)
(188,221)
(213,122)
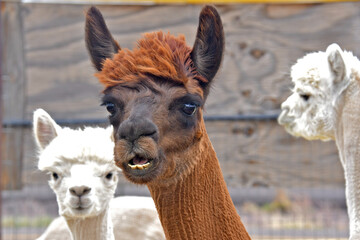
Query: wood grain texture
(262,154)
(262,42)
(14,94)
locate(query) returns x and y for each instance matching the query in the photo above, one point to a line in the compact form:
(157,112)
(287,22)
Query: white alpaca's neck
(347,138)
(92,228)
(350,156)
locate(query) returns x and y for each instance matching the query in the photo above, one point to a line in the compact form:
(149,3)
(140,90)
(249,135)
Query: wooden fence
(45,64)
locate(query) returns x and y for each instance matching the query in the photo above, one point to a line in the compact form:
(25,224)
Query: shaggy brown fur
(157,54)
(155,96)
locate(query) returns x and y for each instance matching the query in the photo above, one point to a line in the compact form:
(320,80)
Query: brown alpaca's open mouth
(141,170)
(139,163)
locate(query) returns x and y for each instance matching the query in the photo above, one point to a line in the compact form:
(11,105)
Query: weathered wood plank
(262,42)
(13,97)
(262,154)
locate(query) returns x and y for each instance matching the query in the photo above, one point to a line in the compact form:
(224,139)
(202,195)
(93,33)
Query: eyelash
(110,107)
(189,109)
(305,96)
(109,175)
(55,176)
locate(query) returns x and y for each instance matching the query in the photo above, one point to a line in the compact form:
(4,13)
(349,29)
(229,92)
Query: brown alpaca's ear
(209,45)
(45,128)
(99,41)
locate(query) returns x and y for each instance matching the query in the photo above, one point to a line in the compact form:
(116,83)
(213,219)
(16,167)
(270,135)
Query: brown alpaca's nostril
(79,190)
(132,130)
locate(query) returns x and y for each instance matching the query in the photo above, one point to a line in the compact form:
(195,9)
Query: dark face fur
(151,124)
(157,119)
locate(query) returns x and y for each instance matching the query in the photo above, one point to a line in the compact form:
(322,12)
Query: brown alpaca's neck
(199,206)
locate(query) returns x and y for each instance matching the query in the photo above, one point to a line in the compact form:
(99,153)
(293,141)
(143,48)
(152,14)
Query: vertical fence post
(1,117)
(13,95)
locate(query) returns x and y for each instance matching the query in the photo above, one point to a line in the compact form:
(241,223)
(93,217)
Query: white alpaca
(325,105)
(84,179)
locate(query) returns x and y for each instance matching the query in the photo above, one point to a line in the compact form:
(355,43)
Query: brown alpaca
(155,95)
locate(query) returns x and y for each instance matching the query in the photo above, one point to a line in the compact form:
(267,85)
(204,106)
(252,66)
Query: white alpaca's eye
(55,176)
(305,96)
(109,175)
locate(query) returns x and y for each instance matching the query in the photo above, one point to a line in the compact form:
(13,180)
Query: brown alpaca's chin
(140,161)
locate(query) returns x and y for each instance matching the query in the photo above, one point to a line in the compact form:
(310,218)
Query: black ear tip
(93,11)
(210,16)
(93,14)
(209,44)
(94,18)
(98,39)
(209,10)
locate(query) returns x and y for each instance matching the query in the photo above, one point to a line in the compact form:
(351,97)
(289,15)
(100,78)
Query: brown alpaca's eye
(110,107)
(305,96)
(189,109)
(109,176)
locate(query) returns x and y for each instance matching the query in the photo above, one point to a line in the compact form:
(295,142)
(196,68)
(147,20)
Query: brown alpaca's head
(155,95)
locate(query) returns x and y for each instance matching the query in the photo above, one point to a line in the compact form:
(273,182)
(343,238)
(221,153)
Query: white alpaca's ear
(45,128)
(336,62)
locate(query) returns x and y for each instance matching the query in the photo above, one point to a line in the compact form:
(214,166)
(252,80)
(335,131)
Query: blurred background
(283,187)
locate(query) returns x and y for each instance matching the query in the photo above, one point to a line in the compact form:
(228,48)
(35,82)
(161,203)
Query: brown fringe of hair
(157,54)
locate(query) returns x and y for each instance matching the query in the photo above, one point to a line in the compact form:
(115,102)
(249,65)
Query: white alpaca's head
(83,173)
(319,80)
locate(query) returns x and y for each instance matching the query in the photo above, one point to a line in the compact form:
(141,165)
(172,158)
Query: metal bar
(28,124)
(241,117)
(94,121)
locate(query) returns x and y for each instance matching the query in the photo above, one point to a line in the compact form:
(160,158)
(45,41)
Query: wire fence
(273,202)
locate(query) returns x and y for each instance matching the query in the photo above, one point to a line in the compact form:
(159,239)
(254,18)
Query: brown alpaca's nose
(133,129)
(79,190)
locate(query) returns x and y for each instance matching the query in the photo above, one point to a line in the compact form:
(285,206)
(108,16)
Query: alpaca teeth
(140,167)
